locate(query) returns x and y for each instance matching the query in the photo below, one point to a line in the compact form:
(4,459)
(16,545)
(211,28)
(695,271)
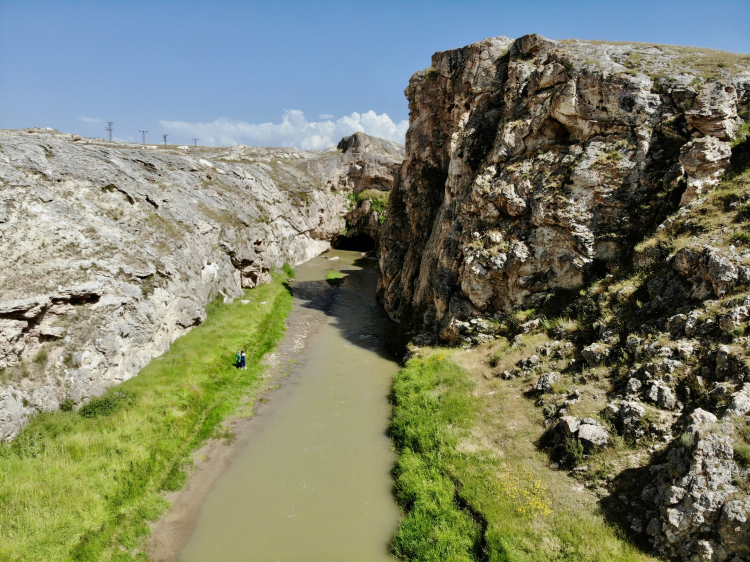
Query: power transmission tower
(195,143)
(165,140)
(109,128)
(143,133)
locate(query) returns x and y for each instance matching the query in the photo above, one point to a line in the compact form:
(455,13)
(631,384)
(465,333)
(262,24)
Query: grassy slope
(73,488)
(472,483)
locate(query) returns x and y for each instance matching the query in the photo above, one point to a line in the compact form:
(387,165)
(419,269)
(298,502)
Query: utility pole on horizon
(109,128)
(143,133)
(195,143)
(165,140)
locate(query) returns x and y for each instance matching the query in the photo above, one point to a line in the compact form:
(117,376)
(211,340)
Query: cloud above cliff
(294,130)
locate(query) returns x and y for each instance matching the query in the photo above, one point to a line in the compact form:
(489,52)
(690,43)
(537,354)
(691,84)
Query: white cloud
(90,119)
(294,130)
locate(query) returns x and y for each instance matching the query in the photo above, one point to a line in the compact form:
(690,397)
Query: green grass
(742,134)
(83,485)
(288,270)
(464,503)
(332,274)
(378,199)
(334,277)
(742,455)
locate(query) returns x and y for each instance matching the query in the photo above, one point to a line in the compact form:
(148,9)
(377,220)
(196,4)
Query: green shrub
(743,212)
(107,404)
(378,199)
(494,360)
(742,134)
(41,357)
(741,238)
(67,405)
(573,451)
(288,270)
(742,455)
(687,440)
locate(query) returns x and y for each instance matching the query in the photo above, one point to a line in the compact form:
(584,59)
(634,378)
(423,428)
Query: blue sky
(284,72)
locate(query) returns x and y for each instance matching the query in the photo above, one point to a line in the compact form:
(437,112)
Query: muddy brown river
(313,482)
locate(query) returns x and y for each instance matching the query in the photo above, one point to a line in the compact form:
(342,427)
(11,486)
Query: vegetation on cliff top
(105,466)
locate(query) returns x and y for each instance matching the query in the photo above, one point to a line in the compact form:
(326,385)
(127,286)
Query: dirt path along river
(313,483)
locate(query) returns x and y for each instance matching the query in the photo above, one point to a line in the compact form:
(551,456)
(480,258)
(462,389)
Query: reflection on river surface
(313,484)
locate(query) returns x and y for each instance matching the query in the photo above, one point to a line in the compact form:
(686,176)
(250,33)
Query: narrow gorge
(563,243)
(111,252)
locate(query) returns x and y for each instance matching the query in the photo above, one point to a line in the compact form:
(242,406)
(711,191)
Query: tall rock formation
(365,168)
(532,164)
(110,251)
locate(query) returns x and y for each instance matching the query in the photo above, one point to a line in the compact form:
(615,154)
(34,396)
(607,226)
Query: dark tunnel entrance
(356,243)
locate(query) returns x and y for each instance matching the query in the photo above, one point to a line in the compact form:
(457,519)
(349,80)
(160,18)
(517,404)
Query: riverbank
(312,480)
(170,533)
(84,485)
(472,483)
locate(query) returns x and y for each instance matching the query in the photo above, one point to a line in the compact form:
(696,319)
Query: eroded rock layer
(531,164)
(109,252)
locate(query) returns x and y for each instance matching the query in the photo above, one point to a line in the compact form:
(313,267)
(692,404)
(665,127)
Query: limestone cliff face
(109,252)
(365,169)
(531,164)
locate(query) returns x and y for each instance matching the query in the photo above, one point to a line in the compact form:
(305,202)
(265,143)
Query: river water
(313,483)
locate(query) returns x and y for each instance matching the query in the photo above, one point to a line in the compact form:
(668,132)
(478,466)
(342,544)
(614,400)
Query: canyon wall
(563,191)
(109,252)
(365,168)
(533,165)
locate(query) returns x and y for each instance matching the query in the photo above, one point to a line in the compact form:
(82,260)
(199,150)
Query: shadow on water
(313,483)
(351,303)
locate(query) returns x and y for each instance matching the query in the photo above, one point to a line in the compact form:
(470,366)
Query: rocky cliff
(109,251)
(365,168)
(587,205)
(532,164)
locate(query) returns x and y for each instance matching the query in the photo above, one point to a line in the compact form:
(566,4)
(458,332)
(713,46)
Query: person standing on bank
(242,361)
(238,360)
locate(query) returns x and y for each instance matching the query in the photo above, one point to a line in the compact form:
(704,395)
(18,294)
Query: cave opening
(356,243)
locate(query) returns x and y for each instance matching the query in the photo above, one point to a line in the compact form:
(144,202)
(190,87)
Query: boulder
(631,416)
(714,111)
(696,516)
(709,270)
(588,431)
(529,326)
(593,436)
(595,353)
(739,404)
(545,382)
(662,395)
(685,349)
(633,386)
(734,319)
(528,363)
(734,527)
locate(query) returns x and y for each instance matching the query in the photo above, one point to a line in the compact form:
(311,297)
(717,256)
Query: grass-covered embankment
(83,487)
(471,482)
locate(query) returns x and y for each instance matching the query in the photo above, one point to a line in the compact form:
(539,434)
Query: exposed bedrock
(365,169)
(532,164)
(109,251)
